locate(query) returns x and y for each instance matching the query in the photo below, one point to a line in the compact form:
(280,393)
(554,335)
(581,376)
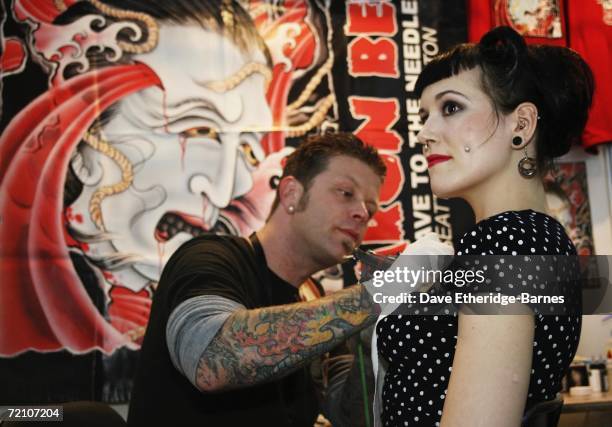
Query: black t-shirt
(229,267)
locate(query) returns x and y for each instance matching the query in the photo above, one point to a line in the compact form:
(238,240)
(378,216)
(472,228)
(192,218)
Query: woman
(494,116)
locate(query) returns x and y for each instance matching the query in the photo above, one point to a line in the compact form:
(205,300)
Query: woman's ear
(525,118)
(290,192)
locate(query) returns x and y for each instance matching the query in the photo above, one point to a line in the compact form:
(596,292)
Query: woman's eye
(200,132)
(449,108)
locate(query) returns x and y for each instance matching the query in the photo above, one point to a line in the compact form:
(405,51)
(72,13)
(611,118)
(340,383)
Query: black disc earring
(517,140)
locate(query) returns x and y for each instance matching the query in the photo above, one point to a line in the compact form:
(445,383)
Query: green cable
(364,387)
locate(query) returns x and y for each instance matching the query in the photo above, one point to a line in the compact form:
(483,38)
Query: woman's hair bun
(556,79)
(566,84)
(503,48)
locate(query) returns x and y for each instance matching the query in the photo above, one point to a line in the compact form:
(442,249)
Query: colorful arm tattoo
(255,346)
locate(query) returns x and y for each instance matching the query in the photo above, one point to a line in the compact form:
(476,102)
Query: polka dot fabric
(517,233)
(419,350)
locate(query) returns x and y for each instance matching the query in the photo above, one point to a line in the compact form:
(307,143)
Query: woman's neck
(516,196)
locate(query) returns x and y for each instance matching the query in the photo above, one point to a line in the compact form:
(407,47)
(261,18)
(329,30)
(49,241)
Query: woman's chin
(443,190)
(442,193)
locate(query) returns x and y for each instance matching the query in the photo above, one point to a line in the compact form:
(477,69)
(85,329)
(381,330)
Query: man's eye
(201,132)
(449,108)
(345,193)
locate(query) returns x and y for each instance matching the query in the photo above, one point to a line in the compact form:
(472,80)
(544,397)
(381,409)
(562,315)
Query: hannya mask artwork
(159,123)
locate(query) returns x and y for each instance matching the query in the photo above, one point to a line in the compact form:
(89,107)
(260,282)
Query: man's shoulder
(210,250)
(213,243)
(218,239)
(207,263)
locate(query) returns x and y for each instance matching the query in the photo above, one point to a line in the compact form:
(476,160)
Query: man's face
(193,145)
(333,219)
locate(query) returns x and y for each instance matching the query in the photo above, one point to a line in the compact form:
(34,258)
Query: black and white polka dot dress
(419,349)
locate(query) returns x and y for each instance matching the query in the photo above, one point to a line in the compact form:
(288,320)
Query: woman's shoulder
(525,232)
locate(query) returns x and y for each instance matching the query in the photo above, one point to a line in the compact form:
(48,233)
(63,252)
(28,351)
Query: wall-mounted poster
(567,196)
(531,18)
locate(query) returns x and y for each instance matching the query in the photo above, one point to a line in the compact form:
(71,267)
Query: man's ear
(525,123)
(290,192)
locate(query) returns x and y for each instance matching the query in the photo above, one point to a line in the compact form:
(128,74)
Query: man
(226,338)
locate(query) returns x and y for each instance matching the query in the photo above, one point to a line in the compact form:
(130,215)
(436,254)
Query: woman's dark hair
(555,79)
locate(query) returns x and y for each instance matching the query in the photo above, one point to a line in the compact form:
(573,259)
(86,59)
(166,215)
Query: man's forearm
(255,346)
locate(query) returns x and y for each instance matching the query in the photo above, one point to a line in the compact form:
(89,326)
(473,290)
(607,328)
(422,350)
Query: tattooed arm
(256,346)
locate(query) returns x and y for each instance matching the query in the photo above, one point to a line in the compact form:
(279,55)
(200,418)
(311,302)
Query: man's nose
(360,212)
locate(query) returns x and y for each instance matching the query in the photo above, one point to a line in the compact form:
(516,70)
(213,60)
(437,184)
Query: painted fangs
(210,213)
(225,223)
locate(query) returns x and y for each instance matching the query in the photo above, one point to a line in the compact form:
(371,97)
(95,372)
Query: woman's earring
(291,209)
(467,149)
(517,140)
(527,166)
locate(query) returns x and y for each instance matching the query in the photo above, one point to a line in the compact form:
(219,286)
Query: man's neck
(284,257)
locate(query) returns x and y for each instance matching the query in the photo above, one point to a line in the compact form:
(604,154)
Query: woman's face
(467,146)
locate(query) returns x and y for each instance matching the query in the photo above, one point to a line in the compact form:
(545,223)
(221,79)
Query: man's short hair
(312,157)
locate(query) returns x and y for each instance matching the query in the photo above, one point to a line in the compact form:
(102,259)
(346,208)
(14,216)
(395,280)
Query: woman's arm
(491,371)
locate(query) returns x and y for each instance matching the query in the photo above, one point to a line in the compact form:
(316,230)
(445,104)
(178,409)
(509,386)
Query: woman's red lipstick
(434,159)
